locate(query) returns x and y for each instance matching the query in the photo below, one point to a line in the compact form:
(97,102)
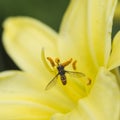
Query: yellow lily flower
(84,36)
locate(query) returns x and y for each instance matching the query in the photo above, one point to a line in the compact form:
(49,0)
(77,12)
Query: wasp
(61,72)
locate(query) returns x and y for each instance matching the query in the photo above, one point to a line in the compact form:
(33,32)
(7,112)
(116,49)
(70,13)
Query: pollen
(74,64)
(89,81)
(57,60)
(51,61)
(59,68)
(66,63)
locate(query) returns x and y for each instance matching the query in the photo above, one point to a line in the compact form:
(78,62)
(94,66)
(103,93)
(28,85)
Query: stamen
(44,61)
(74,64)
(51,61)
(80,80)
(89,81)
(57,60)
(66,63)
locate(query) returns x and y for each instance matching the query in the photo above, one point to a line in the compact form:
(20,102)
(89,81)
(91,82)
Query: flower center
(78,79)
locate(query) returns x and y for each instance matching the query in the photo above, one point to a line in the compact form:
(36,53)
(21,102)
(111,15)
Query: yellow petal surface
(21,99)
(86,31)
(103,103)
(16,101)
(24,38)
(114,60)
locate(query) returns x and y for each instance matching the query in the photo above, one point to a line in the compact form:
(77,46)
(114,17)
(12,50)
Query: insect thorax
(60,69)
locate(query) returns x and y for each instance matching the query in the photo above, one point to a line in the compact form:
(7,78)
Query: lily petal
(21,99)
(114,60)
(18,99)
(24,38)
(87,26)
(103,103)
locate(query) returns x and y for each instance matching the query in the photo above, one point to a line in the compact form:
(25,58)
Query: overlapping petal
(114,60)
(24,38)
(21,99)
(86,31)
(101,104)
(85,35)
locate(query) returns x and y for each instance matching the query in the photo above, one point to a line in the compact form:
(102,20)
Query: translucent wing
(76,74)
(52,82)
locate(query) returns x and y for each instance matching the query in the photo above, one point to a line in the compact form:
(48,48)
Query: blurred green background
(48,11)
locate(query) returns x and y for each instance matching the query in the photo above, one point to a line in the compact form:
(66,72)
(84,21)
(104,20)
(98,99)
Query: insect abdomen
(63,79)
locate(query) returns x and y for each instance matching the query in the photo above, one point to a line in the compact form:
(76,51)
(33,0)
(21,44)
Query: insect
(62,72)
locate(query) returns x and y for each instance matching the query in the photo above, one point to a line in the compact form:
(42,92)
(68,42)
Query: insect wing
(76,74)
(52,83)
